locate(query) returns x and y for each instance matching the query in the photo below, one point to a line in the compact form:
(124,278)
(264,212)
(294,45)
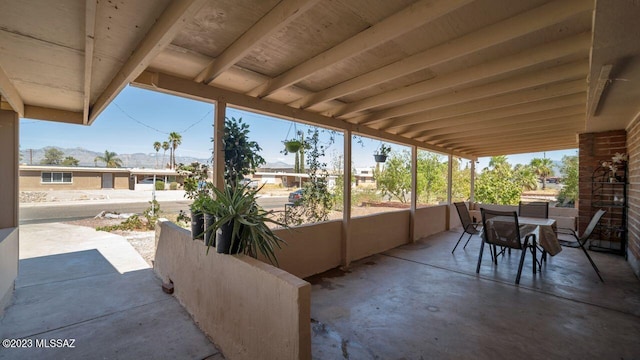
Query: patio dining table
(545,231)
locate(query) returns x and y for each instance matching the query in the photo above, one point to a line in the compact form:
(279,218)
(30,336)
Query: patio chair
(501,228)
(468,226)
(536,209)
(581,240)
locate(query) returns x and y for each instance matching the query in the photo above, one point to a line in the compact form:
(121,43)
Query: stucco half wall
(8,265)
(310,249)
(250,309)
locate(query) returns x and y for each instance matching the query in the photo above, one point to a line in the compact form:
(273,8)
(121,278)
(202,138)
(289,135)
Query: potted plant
(292,146)
(197,188)
(241,224)
(209,218)
(197,218)
(382,153)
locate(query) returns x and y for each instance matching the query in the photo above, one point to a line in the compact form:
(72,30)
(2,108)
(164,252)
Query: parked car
(295,197)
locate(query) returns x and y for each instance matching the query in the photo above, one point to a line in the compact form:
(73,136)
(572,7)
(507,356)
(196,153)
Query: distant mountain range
(86,157)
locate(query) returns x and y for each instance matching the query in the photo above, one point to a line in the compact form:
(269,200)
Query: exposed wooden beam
(492,35)
(159,36)
(600,84)
(569,103)
(494,128)
(277,18)
(89,42)
(408,19)
(525,130)
(186,88)
(567,72)
(560,145)
(56,115)
(10,94)
(539,142)
(479,106)
(578,44)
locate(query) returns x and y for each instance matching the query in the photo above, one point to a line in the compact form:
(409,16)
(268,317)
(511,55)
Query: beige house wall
(250,309)
(30,180)
(9,235)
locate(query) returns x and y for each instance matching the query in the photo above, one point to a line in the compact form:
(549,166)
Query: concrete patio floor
(93,287)
(419,301)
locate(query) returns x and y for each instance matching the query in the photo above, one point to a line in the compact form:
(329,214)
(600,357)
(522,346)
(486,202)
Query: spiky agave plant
(236,210)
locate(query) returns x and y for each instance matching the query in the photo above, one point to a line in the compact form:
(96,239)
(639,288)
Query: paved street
(67,207)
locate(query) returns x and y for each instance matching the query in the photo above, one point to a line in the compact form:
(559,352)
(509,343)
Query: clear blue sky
(137,118)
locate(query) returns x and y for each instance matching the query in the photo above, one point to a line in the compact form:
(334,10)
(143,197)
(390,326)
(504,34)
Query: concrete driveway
(83,294)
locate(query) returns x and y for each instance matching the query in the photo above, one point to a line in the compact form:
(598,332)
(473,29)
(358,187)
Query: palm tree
(156,146)
(110,158)
(175,139)
(165,147)
(543,168)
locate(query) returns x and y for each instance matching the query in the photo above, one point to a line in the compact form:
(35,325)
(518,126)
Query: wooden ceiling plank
(530,57)
(563,145)
(187,88)
(492,127)
(159,36)
(10,94)
(485,136)
(539,142)
(567,72)
(509,29)
(570,111)
(569,103)
(276,19)
(89,45)
(408,19)
(500,101)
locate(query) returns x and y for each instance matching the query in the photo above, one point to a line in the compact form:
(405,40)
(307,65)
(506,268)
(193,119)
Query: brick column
(594,149)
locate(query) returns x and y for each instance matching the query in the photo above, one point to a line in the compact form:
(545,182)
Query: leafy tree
(175,140)
(317,201)
(543,168)
(156,146)
(497,184)
(569,170)
(241,155)
(52,156)
(70,161)
(526,175)
(395,179)
(165,147)
(432,177)
(460,181)
(110,159)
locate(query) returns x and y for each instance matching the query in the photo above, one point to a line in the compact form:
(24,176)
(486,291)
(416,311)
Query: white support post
(346,205)
(414,193)
(450,179)
(472,192)
(218,146)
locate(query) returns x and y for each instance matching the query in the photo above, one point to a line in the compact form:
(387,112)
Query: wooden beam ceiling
(159,36)
(400,23)
(280,16)
(89,46)
(10,94)
(492,35)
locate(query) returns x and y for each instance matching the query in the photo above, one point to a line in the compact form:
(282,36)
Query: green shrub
(173,185)
(159,185)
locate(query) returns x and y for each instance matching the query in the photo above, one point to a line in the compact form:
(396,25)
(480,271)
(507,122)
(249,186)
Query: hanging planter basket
(380,158)
(292,146)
